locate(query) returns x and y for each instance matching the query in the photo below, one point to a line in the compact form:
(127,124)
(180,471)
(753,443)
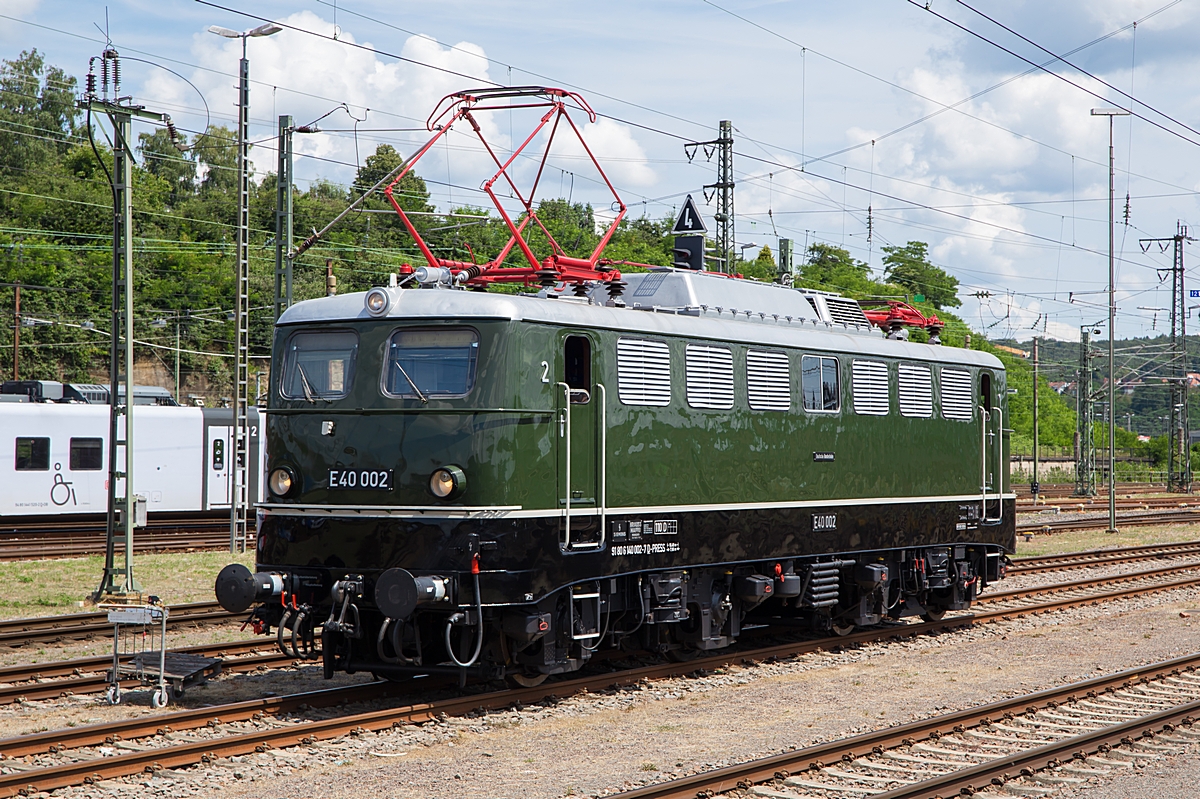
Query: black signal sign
(689,222)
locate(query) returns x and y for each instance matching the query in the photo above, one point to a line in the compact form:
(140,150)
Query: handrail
(999,471)
(603,461)
(565,431)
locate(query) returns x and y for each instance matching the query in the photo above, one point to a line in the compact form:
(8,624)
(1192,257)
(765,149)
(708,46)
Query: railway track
(1102,557)
(54,680)
(46,540)
(1145,519)
(81,626)
(48,760)
(1035,742)
(1100,504)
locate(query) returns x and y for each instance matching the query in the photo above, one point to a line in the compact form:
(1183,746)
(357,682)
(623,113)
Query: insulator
(104,74)
(116,73)
(91,84)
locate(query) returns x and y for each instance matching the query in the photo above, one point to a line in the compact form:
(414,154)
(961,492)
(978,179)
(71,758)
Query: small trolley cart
(140,653)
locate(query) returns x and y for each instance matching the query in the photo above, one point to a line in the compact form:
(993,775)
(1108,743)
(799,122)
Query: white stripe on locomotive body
(171,455)
(432,513)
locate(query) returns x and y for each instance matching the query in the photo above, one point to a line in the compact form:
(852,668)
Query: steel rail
(1026,561)
(190,753)
(1053,588)
(34,682)
(1149,518)
(1090,560)
(743,775)
(75,626)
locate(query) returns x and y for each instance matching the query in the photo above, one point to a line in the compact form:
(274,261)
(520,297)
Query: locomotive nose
(237,589)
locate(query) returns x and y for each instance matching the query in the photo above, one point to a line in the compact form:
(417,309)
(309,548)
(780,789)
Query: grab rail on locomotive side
(556,267)
(602,477)
(985,416)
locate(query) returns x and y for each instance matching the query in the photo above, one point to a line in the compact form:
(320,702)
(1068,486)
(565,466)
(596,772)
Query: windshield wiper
(411,383)
(308,390)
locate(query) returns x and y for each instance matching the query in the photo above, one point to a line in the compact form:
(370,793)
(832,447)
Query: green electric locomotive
(505,484)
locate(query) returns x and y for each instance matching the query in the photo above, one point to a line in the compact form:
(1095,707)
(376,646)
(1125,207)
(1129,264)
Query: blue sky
(1008,188)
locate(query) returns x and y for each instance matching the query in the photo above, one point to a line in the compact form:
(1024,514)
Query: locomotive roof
(663,302)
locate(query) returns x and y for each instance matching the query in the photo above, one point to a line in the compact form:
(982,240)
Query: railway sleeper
(396,623)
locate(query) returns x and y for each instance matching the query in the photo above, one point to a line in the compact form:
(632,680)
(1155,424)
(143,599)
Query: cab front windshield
(427,363)
(319,365)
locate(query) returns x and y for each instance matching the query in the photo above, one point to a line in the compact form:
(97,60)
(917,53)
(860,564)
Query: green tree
(37,111)
(909,267)
(175,166)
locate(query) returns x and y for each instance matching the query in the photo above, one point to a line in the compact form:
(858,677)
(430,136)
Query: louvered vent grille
(956,395)
(643,372)
(916,391)
(709,377)
(870,388)
(768,380)
(846,312)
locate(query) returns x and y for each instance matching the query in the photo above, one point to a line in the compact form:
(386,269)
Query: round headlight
(377,302)
(281,481)
(447,482)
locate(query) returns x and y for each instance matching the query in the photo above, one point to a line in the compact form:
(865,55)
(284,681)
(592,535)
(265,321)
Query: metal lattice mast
(1179,459)
(241,388)
(283,218)
(723,188)
(117,578)
(1085,452)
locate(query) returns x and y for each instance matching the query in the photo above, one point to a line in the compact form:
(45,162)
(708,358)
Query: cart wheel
(160,698)
(113,695)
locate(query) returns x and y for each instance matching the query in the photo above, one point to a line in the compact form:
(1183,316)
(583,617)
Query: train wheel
(934,614)
(841,630)
(523,680)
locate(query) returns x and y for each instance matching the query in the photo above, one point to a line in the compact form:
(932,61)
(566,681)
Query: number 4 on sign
(689,220)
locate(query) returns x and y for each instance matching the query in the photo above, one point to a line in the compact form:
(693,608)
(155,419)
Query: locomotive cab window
(33,454)
(819,384)
(319,365)
(87,454)
(985,391)
(431,363)
(577,368)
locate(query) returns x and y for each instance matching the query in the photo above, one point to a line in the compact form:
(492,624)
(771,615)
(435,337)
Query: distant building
(1062,386)
(1013,350)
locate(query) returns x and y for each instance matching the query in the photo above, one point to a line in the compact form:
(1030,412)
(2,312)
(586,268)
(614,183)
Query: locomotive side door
(992,449)
(578,429)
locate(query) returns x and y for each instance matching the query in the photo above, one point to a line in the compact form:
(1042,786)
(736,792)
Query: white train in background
(54,457)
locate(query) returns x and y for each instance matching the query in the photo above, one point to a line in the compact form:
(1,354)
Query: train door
(580,416)
(991,450)
(218,468)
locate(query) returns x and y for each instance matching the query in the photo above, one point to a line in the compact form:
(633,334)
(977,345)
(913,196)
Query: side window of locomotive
(577,368)
(431,363)
(33,454)
(820,385)
(870,383)
(709,376)
(956,395)
(643,372)
(916,391)
(985,391)
(87,454)
(768,380)
(319,365)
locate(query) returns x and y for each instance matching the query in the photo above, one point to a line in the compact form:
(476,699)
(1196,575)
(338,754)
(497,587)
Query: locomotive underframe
(692,586)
